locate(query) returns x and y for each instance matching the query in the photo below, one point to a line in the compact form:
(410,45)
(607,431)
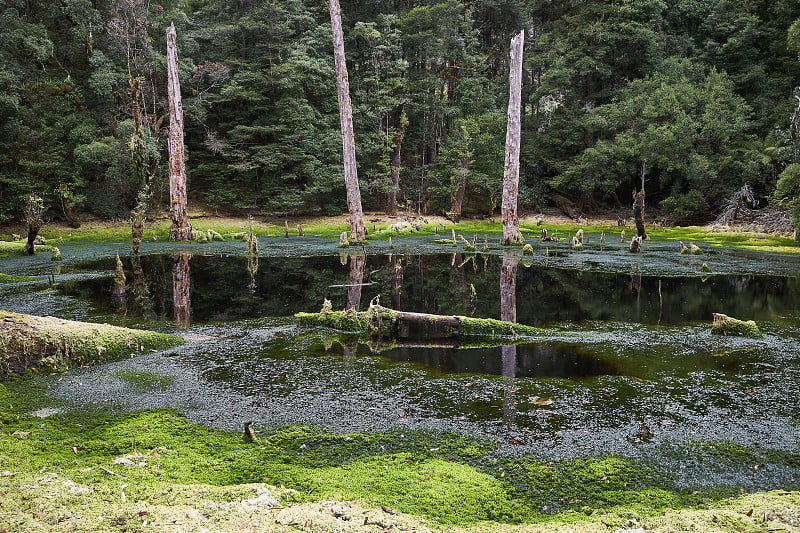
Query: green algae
(45,344)
(145,380)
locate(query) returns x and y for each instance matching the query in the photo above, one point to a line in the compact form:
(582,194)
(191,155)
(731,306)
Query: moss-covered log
(30,343)
(725,325)
(381,321)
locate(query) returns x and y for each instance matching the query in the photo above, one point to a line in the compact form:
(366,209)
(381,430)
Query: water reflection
(543,360)
(181,282)
(439,284)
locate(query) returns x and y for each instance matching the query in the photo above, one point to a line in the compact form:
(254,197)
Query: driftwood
(385,322)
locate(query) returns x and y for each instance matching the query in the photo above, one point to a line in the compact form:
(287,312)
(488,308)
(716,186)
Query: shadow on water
(233,287)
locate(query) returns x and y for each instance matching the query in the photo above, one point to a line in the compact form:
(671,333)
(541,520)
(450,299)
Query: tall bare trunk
(638,213)
(511,233)
(346,118)
(180,230)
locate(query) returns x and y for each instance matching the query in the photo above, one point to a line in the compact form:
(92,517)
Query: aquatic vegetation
(145,380)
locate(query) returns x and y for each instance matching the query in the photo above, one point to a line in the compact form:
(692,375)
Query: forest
(692,98)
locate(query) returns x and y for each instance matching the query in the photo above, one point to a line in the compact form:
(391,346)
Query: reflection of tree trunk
(457,199)
(356,281)
(397,282)
(508,289)
(636,285)
(141,292)
(508,312)
(357,231)
(511,233)
(119,290)
(180,289)
(180,230)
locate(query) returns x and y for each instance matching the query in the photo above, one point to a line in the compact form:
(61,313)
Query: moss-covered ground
(144,470)
(381,227)
(31,343)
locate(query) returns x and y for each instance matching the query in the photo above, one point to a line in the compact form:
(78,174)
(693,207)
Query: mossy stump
(30,343)
(725,325)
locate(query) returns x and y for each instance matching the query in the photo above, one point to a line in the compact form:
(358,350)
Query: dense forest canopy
(696,95)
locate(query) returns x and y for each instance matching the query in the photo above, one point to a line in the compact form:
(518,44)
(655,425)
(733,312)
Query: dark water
(221,288)
(631,347)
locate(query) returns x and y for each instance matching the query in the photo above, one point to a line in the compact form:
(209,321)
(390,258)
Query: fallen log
(31,343)
(385,322)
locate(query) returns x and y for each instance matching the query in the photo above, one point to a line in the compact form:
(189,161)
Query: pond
(628,367)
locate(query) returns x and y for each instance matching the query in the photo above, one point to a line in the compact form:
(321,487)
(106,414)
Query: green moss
(731,451)
(7,278)
(448,478)
(145,380)
(490,326)
(45,344)
(725,325)
(370,322)
(8,248)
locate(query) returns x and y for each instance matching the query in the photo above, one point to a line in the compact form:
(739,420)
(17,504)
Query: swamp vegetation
(619,408)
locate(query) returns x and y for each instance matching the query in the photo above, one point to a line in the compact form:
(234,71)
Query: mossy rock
(725,325)
(30,343)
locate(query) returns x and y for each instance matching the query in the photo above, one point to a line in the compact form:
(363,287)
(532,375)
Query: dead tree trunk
(346,119)
(180,230)
(511,233)
(638,213)
(638,207)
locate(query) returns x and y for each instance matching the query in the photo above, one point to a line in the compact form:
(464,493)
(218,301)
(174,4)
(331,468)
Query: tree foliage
(699,93)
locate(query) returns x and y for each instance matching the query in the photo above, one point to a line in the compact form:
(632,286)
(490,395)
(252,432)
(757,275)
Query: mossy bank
(153,470)
(31,343)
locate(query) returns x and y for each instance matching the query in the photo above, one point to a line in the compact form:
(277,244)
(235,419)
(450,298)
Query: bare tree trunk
(180,229)
(457,199)
(638,213)
(346,118)
(511,233)
(181,301)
